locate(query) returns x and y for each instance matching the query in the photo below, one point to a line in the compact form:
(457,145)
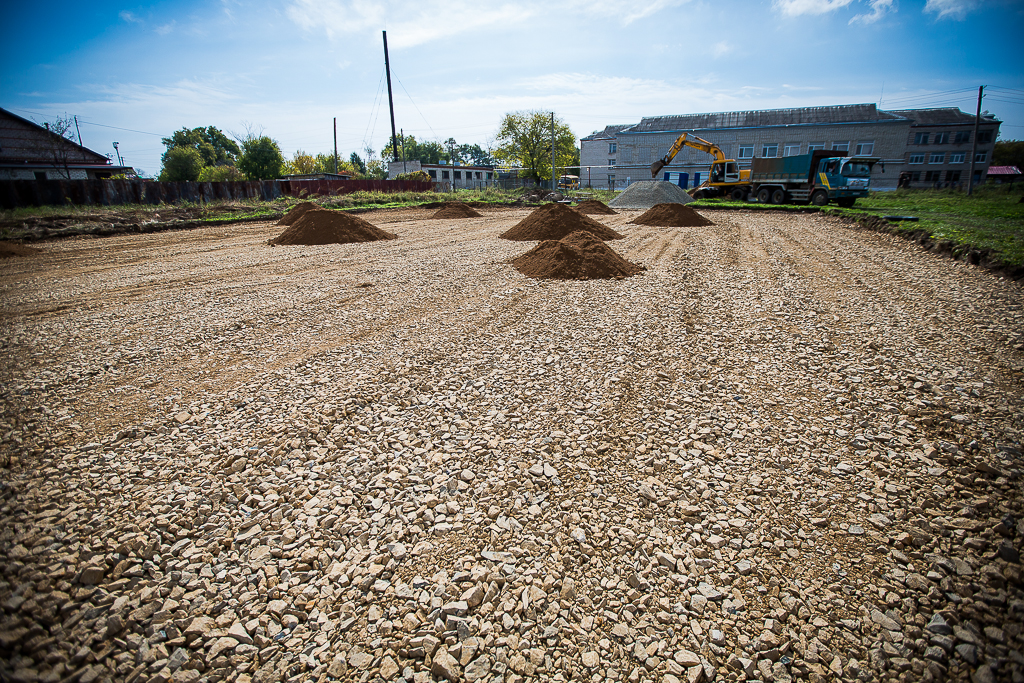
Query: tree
(217,174)
(59,146)
(475,155)
(1009,153)
(423,152)
(180,164)
(261,158)
(524,141)
(215,148)
(357,163)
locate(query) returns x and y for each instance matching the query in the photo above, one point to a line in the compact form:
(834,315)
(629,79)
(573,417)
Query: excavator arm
(686,140)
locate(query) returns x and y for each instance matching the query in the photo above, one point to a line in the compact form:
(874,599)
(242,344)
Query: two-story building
(939,146)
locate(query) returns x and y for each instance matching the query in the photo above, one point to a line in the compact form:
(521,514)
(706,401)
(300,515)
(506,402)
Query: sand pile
(577,256)
(648,193)
(296,212)
(671,216)
(322,226)
(9,249)
(555,221)
(595,207)
(456,210)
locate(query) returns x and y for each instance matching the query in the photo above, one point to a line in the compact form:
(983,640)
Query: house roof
(24,141)
(608,133)
(944,116)
(762,118)
(1003,170)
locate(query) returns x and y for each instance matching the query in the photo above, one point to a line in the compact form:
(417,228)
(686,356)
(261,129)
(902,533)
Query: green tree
(1009,153)
(357,163)
(524,141)
(216,174)
(261,158)
(215,148)
(475,155)
(181,163)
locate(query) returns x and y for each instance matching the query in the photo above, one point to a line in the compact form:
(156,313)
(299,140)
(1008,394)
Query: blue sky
(289,66)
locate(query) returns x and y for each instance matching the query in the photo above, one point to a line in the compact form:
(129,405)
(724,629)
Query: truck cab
(843,178)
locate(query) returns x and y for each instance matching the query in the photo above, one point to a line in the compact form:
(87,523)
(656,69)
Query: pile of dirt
(596,207)
(555,221)
(671,216)
(647,193)
(9,249)
(456,210)
(296,212)
(322,226)
(577,256)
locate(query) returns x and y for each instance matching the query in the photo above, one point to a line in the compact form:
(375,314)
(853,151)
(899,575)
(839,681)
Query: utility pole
(405,167)
(554,181)
(78,131)
(391,101)
(119,160)
(974,144)
(335,145)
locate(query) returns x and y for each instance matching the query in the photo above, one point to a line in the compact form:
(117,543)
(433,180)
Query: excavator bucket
(656,167)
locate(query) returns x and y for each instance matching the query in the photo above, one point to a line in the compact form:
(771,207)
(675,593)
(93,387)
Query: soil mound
(671,216)
(296,212)
(595,207)
(648,193)
(577,256)
(322,226)
(9,249)
(555,221)
(456,210)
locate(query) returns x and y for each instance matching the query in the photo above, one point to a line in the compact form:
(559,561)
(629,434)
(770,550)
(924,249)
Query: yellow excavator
(724,176)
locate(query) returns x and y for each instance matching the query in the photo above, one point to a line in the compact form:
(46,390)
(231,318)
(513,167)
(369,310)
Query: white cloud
(879,8)
(615,8)
(795,8)
(129,17)
(721,49)
(953,9)
(166,28)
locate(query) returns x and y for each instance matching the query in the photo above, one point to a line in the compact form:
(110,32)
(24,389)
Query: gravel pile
(456,210)
(648,193)
(789,451)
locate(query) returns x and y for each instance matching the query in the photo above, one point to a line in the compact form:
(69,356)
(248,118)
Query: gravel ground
(789,450)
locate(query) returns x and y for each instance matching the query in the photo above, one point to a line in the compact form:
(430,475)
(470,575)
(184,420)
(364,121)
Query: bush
(261,159)
(216,174)
(415,175)
(181,164)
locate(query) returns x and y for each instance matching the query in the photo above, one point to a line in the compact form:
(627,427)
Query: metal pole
(79,131)
(335,145)
(554,181)
(974,144)
(391,101)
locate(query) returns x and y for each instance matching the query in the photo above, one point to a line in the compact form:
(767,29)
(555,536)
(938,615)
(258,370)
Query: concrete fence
(19,193)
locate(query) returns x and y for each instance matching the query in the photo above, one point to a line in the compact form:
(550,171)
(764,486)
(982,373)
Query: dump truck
(725,178)
(818,177)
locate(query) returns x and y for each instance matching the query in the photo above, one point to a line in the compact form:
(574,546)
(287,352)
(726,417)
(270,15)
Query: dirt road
(780,452)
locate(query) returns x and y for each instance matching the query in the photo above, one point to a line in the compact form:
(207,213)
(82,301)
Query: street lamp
(119,160)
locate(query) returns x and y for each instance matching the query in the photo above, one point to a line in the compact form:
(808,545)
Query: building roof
(945,116)
(26,142)
(801,116)
(608,133)
(1003,170)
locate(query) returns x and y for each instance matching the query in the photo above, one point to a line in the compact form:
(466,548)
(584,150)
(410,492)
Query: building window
(811,146)
(40,175)
(611,162)
(915,176)
(444,175)
(936,158)
(791,150)
(920,138)
(840,146)
(932,176)
(770,151)
(433,174)
(962,136)
(984,136)
(980,157)
(490,176)
(746,152)
(942,138)
(957,157)
(613,147)
(865,148)
(611,181)
(458,175)
(917,158)
(953,176)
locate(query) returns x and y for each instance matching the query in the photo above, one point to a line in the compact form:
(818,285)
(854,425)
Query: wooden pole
(335,145)
(391,101)
(974,144)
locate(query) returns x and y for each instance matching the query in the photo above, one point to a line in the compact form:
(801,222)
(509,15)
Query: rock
(938,625)
(92,575)
(445,666)
(238,632)
(388,668)
(591,659)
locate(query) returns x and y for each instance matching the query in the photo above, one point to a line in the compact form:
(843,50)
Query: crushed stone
(648,193)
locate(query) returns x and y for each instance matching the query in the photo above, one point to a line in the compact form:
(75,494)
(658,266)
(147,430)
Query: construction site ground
(788,450)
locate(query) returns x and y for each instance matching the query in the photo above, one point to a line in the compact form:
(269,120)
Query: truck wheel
(763,195)
(846,202)
(779,197)
(738,195)
(819,198)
